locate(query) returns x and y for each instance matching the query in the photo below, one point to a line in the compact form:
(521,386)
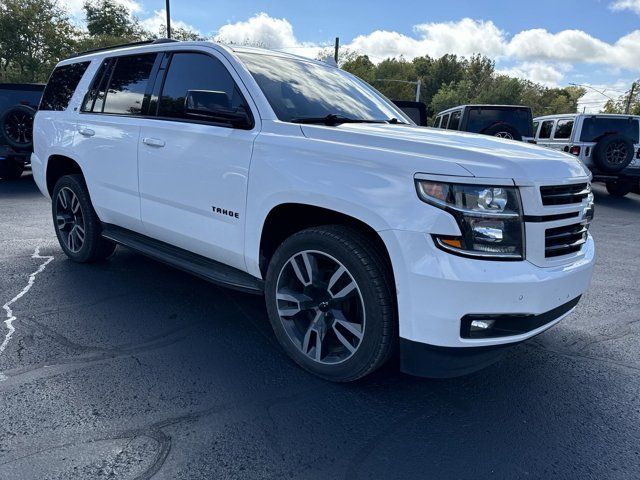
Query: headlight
(490,218)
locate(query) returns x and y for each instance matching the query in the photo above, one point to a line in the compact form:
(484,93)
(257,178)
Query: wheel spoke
(353,328)
(62,196)
(71,241)
(80,234)
(61,220)
(343,340)
(308,264)
(75,204)
(346,290)
(301,302)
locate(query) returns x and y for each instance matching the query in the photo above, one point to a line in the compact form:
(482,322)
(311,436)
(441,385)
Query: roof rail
(122,45)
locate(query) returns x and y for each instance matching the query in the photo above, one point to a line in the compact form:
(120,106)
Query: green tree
(110,19)
(34,36)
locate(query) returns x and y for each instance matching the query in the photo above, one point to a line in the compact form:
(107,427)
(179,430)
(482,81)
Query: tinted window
(593,128)
(196,71)
(535,128)
(445,120)
(61,85)
(98,86)
(128,84)
(482,118)
(545,129)
(454,123)
(563,129)
(436,122)
(298,89)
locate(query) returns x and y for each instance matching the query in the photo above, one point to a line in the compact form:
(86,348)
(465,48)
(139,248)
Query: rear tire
(619,188)
(335,335)
(11,169)
(503,130)
(76,223)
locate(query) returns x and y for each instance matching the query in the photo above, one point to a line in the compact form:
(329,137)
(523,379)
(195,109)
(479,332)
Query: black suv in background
(18,104)
(513,122)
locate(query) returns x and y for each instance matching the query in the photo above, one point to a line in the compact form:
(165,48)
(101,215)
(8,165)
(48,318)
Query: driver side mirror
(216,106)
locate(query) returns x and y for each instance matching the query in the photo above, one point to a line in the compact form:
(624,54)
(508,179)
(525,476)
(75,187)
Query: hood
(480,155)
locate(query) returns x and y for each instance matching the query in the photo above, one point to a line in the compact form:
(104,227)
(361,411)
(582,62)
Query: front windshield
(297,89)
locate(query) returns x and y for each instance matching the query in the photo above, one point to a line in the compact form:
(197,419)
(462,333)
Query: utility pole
(628,107)
(335,52)
(168,10)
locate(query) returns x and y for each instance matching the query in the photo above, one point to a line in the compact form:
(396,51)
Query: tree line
(36,34)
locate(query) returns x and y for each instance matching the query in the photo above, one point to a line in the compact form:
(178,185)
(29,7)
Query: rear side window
(535,128)
(545,129)
(445,120)
(128,85)
(594,128)
(563,129)
(436,122)
(61,85)
(98,88)
(197,72)
(454,123)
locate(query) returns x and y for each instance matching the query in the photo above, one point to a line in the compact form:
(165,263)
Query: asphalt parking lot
(131,369)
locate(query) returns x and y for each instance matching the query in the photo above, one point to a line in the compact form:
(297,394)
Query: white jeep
(609,145)
(287,177)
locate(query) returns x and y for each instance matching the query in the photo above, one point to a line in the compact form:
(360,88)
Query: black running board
(210,270)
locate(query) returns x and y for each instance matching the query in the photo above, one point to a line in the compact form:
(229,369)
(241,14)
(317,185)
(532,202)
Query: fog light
(477,325)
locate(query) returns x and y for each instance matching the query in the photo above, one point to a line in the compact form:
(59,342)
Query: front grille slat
(564,240)
(564,194)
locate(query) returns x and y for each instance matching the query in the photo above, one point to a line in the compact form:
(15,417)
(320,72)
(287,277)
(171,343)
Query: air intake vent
(564,240)
(564,194)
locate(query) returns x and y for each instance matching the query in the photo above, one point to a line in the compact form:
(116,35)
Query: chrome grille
(564,194)
(564,240)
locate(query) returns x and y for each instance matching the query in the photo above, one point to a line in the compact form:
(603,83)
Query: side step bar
(210,270)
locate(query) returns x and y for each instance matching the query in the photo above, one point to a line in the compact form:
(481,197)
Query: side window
(454,123)
(208,81)
(535,128)
(61,85)
(445,121)
(545,129)
(126,91)
(436,122)
(563,129)
(94,90)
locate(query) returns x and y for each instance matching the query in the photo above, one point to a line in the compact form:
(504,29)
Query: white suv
(287,177)
(609,145)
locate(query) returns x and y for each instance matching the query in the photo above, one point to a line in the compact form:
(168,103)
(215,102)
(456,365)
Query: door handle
(85,131)
(153,142)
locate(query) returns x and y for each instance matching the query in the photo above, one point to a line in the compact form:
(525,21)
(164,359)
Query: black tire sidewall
(9,141)
(93,240)
(600,153)
(359,364)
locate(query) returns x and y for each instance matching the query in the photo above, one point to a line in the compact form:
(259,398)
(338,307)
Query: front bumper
(436,290)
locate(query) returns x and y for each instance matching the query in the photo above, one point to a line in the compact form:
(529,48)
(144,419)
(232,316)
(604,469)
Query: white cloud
(260,29)
(538,72)
(75,7)
(596,96)
(268,32)
(633,5)
(159,20)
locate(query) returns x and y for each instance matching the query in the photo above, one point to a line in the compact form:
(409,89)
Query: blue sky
(595,42)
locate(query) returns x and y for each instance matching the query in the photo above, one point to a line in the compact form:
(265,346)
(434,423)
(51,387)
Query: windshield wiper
(395,121)
(332,120)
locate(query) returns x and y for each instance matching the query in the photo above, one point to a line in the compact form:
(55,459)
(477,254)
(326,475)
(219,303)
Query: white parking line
(7,306)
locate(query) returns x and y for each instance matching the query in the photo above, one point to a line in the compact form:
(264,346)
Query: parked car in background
(18,104)
(416,111)
(609,145)
(363,231)
(512,122)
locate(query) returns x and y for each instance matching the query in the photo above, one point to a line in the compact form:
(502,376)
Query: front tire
(76,223)
(330,300)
